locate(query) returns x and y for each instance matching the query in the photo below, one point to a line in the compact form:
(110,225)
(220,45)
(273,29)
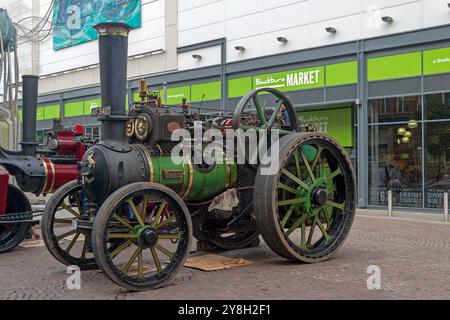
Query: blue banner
(73,20)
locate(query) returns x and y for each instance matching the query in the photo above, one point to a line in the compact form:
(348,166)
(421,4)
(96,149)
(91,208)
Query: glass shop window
(395,164)
(437,106)
(396,109)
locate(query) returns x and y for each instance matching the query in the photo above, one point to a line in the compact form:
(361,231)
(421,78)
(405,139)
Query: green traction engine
(142,195)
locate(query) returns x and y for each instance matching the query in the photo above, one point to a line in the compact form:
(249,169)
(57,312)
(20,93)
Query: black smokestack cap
(29,109)
(113,55)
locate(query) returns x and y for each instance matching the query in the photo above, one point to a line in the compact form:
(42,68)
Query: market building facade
(373,74)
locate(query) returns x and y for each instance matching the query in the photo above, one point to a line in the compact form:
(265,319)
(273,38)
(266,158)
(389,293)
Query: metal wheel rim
(140,279)
(337,206)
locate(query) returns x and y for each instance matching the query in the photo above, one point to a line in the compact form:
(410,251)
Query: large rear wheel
(305,207)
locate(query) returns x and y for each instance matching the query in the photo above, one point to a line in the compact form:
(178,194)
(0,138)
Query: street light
(197,56)
(282,40)
(240,48)
(331,30)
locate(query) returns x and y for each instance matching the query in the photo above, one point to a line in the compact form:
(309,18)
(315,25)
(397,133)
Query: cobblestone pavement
(414,258)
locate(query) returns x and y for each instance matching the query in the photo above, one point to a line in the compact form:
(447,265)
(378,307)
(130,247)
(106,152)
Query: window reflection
(437,106)
(395,164)
(437,169)
(398,109)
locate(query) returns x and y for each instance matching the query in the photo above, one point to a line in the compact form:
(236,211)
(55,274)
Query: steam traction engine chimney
(113,53)
(29,108)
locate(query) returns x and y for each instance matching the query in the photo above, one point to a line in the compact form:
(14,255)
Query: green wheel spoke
(331,189)
(303,235)
(78,202)
(308,167)
(72,243)
(66,207)
(123,221)
(287,188)
(296,224)
(67,234)
(127,267)
(176,236)
(85,246)
(167,221)
(273,117)
(287,215)
(311,232)
(317,157)
(335,173)
(161,208)
(323,230)
(259,110)
(295,179)
(165,251)
(144,207)
(122,236)
(327,218)
(122,247)
(291,201)
(135,212)
(324,170)
(297,164)
(340,206)
(140,265)
(156,259)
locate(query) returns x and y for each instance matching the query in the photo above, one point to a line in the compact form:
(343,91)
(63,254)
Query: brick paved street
(414,258)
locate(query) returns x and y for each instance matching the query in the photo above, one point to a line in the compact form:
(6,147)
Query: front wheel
(304,204)
(142,235)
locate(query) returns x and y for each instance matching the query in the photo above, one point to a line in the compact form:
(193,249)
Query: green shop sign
(206,91)
(292,80)
(52,112)
(44,113)
(436,61)
(73,20)
(336,122)
(91,104)
(395,67)
(176,95)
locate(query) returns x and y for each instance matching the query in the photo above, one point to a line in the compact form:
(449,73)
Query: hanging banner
(73,20)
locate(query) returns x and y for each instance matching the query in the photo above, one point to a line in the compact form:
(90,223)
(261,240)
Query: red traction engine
(38,169)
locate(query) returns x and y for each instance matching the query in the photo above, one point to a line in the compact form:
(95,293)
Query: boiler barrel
(191,182)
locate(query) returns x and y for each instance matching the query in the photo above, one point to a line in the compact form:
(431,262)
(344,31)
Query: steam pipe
(29,109)
(113,53)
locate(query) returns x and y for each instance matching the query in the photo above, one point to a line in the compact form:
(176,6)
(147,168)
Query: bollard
(446,206)
(390,203)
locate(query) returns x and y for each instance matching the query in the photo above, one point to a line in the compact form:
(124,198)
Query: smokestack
(113,54)
(29,108)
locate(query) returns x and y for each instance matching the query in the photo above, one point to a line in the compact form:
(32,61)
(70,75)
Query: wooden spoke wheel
(305,210)
(262,109)
(12,234)
(67,243)
(142,235)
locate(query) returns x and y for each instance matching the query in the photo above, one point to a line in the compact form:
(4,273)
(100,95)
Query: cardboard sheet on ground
(212,262)
(32,244)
